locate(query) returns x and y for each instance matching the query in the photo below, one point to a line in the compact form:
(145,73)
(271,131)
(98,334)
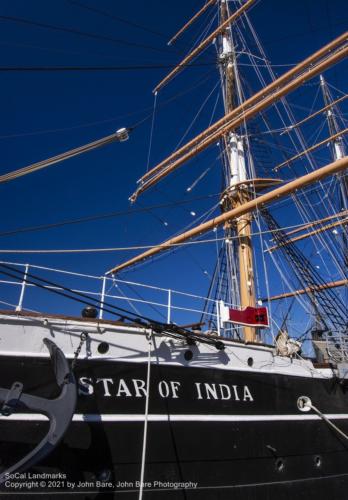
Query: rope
(151,132)
(125,297)
(198,83)
(319,240)
(61,157)
(113,279)
(109,215)
(265,271)
(15,305)
(290,116)
(196,116)
(306,403)
(139,247)
(146,415)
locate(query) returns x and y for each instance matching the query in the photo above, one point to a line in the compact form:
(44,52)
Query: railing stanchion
(169,306)
(21,297)
(102,297)
(218,317)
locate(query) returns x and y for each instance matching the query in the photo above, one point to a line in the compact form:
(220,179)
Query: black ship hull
(212,434)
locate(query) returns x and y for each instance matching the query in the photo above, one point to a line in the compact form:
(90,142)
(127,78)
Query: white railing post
(218,317)
(169,306)
(21,297)
(102,297)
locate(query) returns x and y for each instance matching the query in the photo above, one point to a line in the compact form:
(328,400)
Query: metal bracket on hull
(59,410)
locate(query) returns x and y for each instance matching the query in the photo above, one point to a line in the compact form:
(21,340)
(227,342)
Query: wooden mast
(236,193)
(307,69)
(302,68)
(238,200)
(338,148)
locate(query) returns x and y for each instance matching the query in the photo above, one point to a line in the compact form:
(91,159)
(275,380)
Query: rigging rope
(304,403)
(144,247)
(151,131)
(146,415)
(106,216)
(164,103)
(118,18)
(327,303)
(120,135)
(196,116)
(74,31)
(300,138)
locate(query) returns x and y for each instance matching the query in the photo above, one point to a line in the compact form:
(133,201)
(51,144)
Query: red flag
(250,316)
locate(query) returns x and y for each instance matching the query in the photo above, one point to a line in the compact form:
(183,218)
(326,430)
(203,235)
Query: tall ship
(130,389)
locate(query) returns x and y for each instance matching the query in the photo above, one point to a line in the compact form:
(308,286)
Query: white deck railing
(173,303)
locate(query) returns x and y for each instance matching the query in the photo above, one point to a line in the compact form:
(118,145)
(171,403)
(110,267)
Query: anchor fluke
(59,411)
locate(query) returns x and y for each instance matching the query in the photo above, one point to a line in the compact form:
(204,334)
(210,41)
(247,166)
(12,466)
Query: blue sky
(45,113)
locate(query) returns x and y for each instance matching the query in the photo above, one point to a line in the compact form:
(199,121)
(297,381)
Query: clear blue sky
(45,113)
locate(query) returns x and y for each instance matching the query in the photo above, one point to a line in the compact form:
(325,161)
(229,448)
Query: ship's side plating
(223,423)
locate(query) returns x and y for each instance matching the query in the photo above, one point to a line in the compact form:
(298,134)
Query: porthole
(250,361)
(317,461)
(279,465)
(188,355)
(103,347)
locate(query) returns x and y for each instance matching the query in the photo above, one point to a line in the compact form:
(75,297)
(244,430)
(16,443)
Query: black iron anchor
(60,410)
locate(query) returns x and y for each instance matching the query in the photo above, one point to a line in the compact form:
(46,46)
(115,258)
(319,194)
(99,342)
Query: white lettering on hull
(166,389)
(105,382)
(222,392)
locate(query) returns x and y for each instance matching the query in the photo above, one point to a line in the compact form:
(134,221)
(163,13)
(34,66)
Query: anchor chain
(83,339)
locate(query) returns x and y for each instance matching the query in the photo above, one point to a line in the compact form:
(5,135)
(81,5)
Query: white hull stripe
(285,369)
(90,417)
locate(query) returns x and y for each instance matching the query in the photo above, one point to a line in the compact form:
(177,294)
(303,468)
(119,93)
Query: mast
(337,145)
(236,193)
(313,65)
(238,199)
(275,194)
(338,152)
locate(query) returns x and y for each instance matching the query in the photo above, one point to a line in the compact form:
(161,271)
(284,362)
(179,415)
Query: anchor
(60,410)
